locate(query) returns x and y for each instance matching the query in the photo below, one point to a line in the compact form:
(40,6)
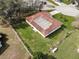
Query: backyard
(68,49)
(36,43)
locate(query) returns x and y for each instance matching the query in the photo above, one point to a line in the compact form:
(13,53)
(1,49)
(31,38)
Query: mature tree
(14,10)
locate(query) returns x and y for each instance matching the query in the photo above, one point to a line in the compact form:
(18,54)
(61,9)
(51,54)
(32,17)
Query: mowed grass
(68,49)
(66,20)
(36,43)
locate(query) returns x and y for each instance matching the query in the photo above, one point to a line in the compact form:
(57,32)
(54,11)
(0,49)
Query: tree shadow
(51,57)
(3,48)
(3,41)
(40,55)
(28,48)
(4,38)
(21,25)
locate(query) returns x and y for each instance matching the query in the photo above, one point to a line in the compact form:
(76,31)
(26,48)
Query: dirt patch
(15,49)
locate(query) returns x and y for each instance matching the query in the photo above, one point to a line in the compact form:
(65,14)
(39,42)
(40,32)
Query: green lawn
(36,43)
(67,1)
(66,20)
(68,49)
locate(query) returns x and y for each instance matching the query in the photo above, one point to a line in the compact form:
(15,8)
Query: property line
(21,42)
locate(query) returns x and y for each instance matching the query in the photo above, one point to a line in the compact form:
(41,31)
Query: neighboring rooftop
(44,23)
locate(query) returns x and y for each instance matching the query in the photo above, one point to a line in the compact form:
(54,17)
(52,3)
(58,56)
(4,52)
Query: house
(43,23)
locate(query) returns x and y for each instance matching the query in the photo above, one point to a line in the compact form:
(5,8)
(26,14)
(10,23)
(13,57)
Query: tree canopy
(12,10)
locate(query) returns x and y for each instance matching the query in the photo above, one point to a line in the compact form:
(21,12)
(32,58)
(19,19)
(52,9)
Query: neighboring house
(43,23)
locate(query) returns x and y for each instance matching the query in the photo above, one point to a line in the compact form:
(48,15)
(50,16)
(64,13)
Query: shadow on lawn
(21,25)
(54,34)
(3,42)
(40,55)
(28,48)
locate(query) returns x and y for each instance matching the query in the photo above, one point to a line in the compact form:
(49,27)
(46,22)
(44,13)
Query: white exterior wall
(35,28)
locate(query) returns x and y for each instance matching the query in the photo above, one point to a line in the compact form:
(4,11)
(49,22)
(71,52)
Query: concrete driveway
(69,10)
(15,49)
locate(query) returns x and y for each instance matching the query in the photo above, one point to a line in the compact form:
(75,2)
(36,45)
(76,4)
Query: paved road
(15,49)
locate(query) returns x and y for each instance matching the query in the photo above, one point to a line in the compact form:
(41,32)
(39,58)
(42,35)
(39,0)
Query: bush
(40,55)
